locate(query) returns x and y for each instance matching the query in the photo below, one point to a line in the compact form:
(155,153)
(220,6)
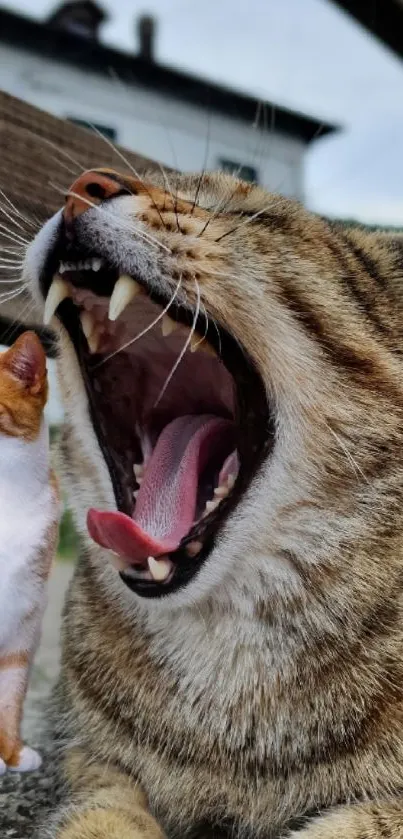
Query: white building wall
(177,134)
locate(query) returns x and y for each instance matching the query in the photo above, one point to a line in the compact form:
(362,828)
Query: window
(246,173)
(105,130)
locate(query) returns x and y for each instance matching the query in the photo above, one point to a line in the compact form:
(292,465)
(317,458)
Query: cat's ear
(26,361)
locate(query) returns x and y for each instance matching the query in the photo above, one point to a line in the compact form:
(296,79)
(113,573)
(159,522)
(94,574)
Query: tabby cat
(232,374)
(28,532)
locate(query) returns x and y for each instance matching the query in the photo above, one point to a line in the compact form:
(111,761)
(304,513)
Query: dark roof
(384,19)
(69,47)
(78,13)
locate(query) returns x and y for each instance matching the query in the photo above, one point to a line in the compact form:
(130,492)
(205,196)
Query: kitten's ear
(26,361)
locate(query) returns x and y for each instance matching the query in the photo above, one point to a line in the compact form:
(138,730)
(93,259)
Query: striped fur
(267,695)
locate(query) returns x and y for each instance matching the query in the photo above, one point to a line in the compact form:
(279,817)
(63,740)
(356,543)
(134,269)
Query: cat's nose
(89,190)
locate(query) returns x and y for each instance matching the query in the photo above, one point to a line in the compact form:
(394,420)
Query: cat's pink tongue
(166,502)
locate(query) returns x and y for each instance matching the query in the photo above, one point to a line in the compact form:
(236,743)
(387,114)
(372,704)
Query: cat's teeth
(95,339)
(88,323)
(195,342)
(221,491)
(193,548)
(210,506)
(125,290)
(138,470)
(168,326)
(58,291)
(92,264)
(159,569)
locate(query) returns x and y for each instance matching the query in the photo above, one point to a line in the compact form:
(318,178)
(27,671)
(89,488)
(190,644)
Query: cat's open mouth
(180,413)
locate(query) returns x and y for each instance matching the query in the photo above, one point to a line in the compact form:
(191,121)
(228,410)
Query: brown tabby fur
(271,701)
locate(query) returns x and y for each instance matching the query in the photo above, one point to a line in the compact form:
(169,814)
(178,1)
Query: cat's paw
(29,760)
(3,767)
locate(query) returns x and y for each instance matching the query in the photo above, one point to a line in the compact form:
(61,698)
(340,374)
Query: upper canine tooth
(125,289)
(87,323)
(168,325)
(96,263)
(159,569)
(57,292)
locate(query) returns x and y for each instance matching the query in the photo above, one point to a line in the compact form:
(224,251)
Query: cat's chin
(179,410)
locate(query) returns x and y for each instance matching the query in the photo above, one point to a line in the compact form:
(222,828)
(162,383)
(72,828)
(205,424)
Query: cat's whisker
(56,148)
(64,165)
(353,463)
(244,222)
(9,282)
(11,218)
(151,240)
(6,297)
(184,348)
(129,166)
(19,250)
(10,234)
(30,221)
(147,329)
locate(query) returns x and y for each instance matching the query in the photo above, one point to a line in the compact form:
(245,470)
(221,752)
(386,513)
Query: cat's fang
(58,291)
(125,290)
(159,569)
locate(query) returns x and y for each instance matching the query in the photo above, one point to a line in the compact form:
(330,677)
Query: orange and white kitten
(29,513)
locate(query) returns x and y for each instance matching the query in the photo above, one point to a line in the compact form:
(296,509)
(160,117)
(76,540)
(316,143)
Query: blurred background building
(61,66)
(189,83)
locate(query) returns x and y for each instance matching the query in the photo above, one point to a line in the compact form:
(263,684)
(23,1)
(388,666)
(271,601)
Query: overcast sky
(304,54)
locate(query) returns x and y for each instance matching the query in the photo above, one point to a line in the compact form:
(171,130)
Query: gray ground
(22,796)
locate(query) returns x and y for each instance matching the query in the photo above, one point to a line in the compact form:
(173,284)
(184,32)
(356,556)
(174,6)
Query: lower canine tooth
(221,492)
(94,339)
(87,324)
(160,569)
(193,548)
(168,325)
(195,342)
(211,505)
(125,290)
(58,291)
